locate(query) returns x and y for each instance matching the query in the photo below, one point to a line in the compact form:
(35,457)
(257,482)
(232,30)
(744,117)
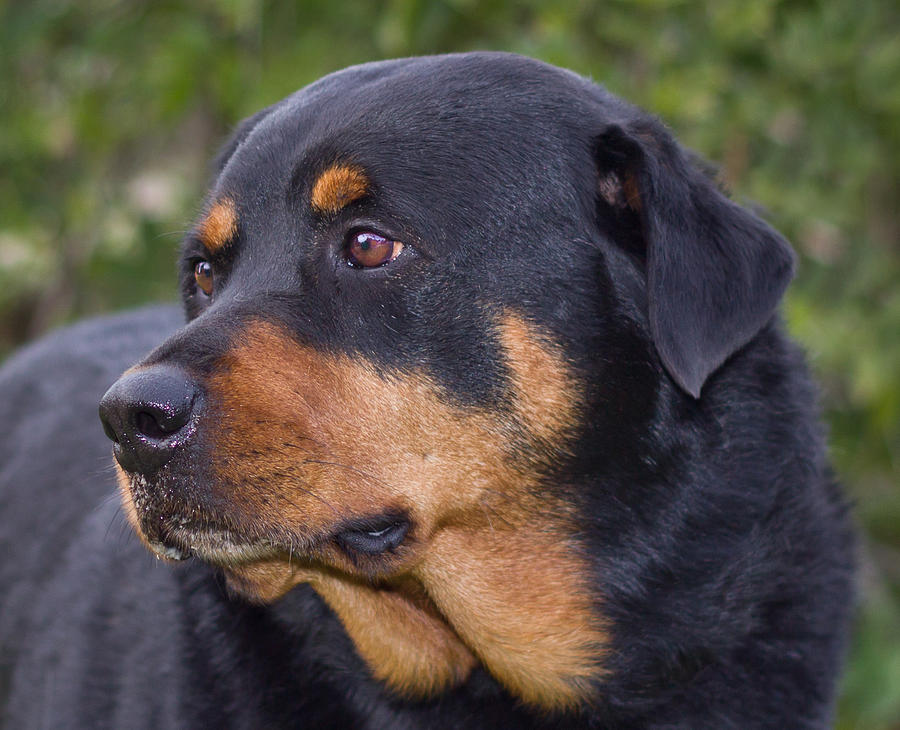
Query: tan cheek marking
(396,630)
(399,635)
(520,599)
(546,396)
(325,438)
(310,439)
(337,187)
(219,226)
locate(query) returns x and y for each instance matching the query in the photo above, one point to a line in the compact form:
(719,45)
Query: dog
(482,415)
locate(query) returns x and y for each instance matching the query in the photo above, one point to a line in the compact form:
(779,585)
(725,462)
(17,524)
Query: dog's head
(431,303)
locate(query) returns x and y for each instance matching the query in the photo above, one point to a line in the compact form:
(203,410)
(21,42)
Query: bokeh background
(110,110)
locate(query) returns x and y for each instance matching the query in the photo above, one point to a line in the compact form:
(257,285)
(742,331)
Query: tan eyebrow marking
(219,226)
(338,186)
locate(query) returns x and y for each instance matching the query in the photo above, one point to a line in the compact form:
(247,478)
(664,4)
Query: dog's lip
(211,544)
(176,536)
(168,552)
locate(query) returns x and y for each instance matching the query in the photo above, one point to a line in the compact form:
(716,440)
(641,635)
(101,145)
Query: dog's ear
(715,271)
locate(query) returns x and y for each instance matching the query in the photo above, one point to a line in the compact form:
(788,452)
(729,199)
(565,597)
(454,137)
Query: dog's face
(430,301)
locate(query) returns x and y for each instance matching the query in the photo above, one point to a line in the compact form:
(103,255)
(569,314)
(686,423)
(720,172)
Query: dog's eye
(203,275)
(367,250)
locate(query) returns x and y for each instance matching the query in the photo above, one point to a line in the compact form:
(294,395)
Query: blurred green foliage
(109,110)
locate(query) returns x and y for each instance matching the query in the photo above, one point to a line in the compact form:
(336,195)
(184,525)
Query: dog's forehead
(439,89)
(455,114)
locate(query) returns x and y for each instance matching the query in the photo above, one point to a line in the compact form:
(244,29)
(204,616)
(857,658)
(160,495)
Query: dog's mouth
(177,532)
(181,540)
(215,545)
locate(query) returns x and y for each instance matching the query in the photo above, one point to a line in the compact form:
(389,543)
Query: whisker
(314,496)
(487,513)
(344,466)
(112,520)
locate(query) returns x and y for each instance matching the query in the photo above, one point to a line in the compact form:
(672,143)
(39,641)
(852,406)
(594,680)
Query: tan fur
(490,567)
(399,633)
(395,626)
(632,193)
(620,191)
(518,597)
(131,515)
(541,381)
(337,187)
(219,226)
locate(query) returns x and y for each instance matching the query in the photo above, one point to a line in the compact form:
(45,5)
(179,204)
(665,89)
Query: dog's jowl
(480,414)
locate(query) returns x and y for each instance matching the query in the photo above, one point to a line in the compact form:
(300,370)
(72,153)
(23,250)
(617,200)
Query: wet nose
(146,414)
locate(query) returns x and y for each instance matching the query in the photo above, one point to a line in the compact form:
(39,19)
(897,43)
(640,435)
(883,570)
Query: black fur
(720,546)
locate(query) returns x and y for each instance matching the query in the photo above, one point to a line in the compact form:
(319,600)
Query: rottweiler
(482,416)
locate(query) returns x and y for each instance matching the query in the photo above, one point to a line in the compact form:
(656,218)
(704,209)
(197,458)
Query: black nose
(146,414)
